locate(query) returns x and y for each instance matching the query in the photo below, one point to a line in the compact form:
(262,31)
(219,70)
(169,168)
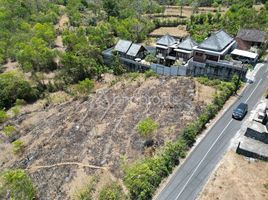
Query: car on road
(240,112)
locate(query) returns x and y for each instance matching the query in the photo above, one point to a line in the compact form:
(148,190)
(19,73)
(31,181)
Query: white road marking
(203,159)
(253,91)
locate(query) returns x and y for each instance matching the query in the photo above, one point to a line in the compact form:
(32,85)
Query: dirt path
(35,168)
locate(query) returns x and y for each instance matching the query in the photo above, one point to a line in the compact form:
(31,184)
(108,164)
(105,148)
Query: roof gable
(166,40)
(122,46)
(187,44)
(217,41)
(134,49)
(252,35)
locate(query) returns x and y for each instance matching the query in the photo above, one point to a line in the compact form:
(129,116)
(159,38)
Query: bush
(18,146)
(146,127)
(266,186)
(13,87)
(3,116)
(9,130)
(150,73)
(112,191)
(16,110)
(85,86)
(17,184)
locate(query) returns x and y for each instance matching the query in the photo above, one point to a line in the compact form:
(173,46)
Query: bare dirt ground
(179,32)
(237,178)
(67,142)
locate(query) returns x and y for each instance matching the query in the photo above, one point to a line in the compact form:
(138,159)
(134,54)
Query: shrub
(15,110)
(150,58)
(133,75)
(150,73)
(146,127)
(18,146)
(20,102)
(266,186)
(9,130)
(17,184)
(3,116)
(85,86)
(13,87)
(112,191)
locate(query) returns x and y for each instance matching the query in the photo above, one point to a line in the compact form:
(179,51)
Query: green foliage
(150,58)
(85,86)
(150,73)
(13,87)
(17,184)
(118,68)
(113,191)
(9,130)
(146,127)
(266,186)
(15,110)
(3,116)
(18,146)
(133,75)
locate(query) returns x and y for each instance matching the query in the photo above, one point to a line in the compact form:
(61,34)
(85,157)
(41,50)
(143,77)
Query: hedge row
(144,177)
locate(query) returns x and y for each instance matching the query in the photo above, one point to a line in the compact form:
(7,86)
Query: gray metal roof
(122,46)
(252,35)
(217,41)
(187,44)
(166,40)
(134,49)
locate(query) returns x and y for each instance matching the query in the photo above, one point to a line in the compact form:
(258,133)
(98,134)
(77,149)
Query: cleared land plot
(187,11)
(237,178)
(179,32)
(67,142)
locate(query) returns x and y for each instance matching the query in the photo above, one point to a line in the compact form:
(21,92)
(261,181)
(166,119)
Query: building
(247,38)
(184,50)
(245,56)
(130,50)
(214,48)
(164,49)
(136,51)
(122,47)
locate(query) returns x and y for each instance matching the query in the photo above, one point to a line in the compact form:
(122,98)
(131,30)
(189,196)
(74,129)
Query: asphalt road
(189,179)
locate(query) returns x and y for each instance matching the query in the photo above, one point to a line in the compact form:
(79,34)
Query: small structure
(122,47)
(247,38)
(136,51)
(214,48)
(184,50)
(164,47)
(244,56)
(254,142)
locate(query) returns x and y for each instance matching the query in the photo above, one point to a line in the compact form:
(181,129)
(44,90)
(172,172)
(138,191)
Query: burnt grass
(100,129)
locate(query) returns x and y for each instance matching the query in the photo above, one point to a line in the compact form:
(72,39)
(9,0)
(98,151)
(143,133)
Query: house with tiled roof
(247,38)
(214,48)
(164,46)
(184,50)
